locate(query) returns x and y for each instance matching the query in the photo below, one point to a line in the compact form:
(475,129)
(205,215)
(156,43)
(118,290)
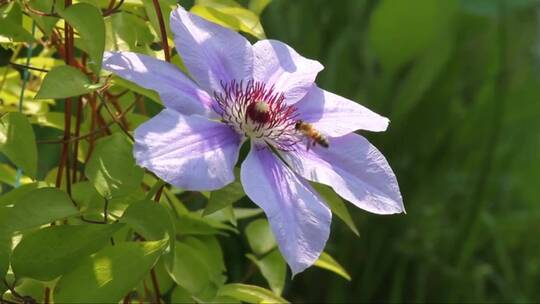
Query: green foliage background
(460,82)
(459,79)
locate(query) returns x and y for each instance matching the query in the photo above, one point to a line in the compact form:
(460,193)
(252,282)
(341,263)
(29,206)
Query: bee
(314,136)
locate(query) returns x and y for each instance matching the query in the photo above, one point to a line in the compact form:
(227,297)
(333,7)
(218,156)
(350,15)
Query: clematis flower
(235,92)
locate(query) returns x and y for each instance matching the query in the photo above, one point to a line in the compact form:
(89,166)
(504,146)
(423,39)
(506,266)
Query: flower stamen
(258,112)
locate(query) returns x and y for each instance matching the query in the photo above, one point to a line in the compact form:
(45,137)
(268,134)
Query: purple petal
(176,90)
(355,169)
(275,63)
(212,53)
(336,116)
(190,152)
(298,217)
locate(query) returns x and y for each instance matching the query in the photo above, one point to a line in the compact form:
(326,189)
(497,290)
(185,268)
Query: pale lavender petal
(355,169)
(175,89)
(190,152)
(276,63)
(336,116)
(298,217)
(212,53)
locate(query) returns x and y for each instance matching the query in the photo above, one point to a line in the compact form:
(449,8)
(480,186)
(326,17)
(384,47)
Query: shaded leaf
(273,268)
(224,197)
(260,236)
(18,142)
(153,222)
(112,168)
(337,205)
(50,252)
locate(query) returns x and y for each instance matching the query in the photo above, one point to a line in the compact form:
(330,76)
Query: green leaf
(260,236)
(230,14)
(193,224)
(50,252)
(11,29)
(88,22)
(190,269)
(250,294)
(64,81)
(210,251)
(18,142)
(337,205)
(112,168)
(224,197)
(273,268)
(153,222)
(181,295)
(8,175)
(5,251)
(110,274)
(45,22)
(150,219)
(152,95)
(16,193)
(257,6)
(132,30)
(36,208)
(327,262)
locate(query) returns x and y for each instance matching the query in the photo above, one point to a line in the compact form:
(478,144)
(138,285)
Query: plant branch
(162,31)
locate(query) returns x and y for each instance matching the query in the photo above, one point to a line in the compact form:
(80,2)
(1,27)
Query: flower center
(259,112)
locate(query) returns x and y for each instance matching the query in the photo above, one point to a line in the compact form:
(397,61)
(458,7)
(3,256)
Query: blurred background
(460,81)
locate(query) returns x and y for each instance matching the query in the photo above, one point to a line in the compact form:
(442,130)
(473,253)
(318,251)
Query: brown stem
(156,286)
(87,135)
(38,12)
(47,296)
(78,119)
(116,105)
(162,31)
(111,10)
(64,161)
(122,127)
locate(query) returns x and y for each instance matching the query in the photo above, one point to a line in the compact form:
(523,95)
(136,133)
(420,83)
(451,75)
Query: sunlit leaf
(108,275)
(230,14)
(15,194)
(36,208)
(327,262)
(250,294)
(11,29)
(88,22)
(64,81)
